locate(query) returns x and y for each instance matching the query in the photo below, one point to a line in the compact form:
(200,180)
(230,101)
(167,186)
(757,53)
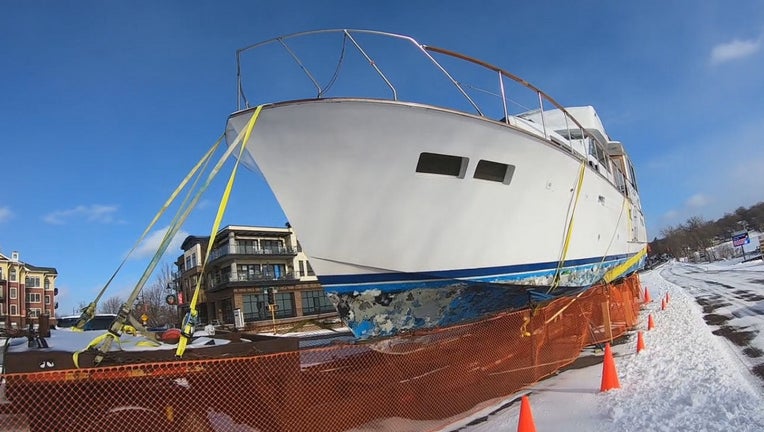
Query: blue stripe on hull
(377,305)
(470,274)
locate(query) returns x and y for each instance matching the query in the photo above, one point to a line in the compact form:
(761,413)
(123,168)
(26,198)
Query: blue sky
(105,105)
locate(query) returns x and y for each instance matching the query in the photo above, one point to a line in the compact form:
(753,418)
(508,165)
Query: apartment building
(259,274)
(27,292)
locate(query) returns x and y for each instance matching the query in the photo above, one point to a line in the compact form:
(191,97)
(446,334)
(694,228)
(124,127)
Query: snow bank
(686,379)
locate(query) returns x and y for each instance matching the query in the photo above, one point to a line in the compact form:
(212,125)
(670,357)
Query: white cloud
(736,49)
(696,201)
(5,214)
(670,215)
(150,244)
(104,214)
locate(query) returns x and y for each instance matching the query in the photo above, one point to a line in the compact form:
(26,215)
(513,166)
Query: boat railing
(461,87)
(561,128)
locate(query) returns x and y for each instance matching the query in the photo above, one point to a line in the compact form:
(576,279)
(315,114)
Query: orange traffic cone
(647,296)
(650,322)
(640,342)
(525,424)
(609,374)
(663,304)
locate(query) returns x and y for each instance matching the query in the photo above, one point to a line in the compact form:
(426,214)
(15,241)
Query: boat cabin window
(633,175)
(433,163)
(596,150)
(494,171)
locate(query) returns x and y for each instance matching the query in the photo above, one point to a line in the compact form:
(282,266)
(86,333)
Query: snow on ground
(687,378)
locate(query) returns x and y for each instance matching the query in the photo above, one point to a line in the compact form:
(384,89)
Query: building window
(310,269)
(272,246)
(1,274)
(14,310)
(33,298)
(14,293)
(227,305)
(188,263)
(247,247)
(255,308)
(13,275)
(32,282)
(34,313)
(285,302)
(47,283)
(1,310)
(315,302)
(274,271)
(47,299)
(248,272)
(193,260)
(302,268)
(433,163)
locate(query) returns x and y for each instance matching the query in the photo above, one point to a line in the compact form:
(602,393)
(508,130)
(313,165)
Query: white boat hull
(394,247)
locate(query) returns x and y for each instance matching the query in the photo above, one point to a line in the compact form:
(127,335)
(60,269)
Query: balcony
(229,250)
(223,281)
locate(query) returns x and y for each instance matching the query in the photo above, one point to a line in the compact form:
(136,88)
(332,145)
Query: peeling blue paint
(373,308)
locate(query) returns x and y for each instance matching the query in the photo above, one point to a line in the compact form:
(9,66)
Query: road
(731,296)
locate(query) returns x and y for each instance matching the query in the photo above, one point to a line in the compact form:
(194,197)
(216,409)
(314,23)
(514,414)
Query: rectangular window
(14,293)
(316,302)
(47,283)
(494,171)
(34,313)
(248,272)
(596,150)
(271,246)
(13,275)
(247,247)
(14,310)
(433,163)
(32,282)
(274,271)
(633,176)
(47,299)
(302,268)
(193,259)
(33,298)
(188,263)
(227,306)
(285,302)
(255,307)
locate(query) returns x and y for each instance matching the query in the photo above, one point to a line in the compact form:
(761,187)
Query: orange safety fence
(416,382)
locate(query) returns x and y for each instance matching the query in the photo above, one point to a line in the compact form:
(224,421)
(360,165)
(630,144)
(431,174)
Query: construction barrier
(417,382)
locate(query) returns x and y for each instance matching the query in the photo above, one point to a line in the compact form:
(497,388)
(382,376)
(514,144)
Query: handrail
(427,50)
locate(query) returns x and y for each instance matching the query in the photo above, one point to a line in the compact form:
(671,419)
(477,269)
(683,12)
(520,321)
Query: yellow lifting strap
(95,342)
(89,311)
(615,272)
(116,328)
(569,231)
(190,320)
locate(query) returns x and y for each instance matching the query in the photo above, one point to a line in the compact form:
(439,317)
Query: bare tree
(111,305)
(152,300)
(80,306)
